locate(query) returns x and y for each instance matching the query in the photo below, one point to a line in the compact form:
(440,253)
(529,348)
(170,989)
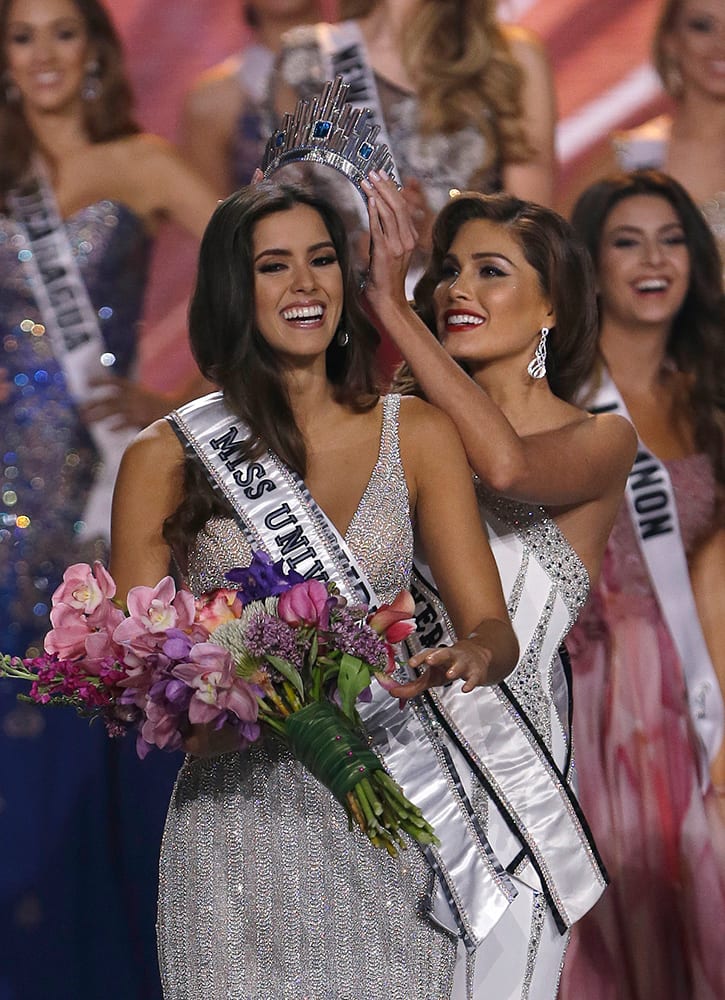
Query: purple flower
(262,578)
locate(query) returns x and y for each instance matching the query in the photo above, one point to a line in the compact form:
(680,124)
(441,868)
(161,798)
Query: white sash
(507,755)
(72,325)
(343,52)
(277,514)
(652,506)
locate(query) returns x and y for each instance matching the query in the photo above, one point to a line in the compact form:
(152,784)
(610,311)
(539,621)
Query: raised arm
(579,461)
(209,116)
(456,547)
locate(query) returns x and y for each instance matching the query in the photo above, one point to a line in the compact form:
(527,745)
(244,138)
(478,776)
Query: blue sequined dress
(80,817)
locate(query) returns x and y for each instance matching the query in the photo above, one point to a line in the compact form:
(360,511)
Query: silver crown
(330,132)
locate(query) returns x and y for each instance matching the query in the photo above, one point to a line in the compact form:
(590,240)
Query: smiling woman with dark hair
(649,707)
(264,890)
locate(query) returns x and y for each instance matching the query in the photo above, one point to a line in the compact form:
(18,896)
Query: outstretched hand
(126,402)
(467,660)
(393,239)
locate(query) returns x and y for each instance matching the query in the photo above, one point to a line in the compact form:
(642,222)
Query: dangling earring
(343,337)
(12,92)
(537,365)
(91,85)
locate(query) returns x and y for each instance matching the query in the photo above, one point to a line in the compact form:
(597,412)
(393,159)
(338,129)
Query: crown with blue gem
(330,132)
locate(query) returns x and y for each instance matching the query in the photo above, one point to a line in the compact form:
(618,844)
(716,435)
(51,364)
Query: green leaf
(288,671)
(353,678)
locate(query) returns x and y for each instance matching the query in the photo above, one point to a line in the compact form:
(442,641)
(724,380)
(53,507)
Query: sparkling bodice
(49,457)
(380,533)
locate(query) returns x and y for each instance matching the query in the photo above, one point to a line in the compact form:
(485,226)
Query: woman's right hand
(393,238)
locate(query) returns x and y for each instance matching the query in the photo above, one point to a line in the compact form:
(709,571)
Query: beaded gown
(545,585)
(264,892)
(658,930)
(80,810)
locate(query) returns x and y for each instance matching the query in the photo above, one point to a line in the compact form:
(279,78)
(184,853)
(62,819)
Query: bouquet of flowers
(272,652)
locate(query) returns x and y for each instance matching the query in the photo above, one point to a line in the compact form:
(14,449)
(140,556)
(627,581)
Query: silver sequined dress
(264,892)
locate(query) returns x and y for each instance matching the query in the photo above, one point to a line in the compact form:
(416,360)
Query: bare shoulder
(526,46)
(422,424)
(217,91)
(155,451)
(614,436)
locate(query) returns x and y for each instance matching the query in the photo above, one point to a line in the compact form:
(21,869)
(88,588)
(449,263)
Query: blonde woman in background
(462,100)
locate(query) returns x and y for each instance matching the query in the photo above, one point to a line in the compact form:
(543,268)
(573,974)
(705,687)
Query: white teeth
(303,312)
(652,285)
(463,319)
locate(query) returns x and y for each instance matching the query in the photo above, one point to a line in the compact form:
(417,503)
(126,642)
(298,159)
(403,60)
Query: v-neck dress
(265,894)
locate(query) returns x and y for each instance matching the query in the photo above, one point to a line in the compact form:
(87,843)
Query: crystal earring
(537,365)
(12,93)
(343,337)
(92,83)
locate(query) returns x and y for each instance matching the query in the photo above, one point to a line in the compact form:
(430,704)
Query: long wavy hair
(696,342)
(230,350)
(459,58)
(663,61)
(108,116)
(563,267)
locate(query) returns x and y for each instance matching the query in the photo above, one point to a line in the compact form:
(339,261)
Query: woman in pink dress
(648,705)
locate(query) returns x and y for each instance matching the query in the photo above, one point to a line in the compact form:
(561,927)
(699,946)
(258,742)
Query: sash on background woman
(653,509)
(72,325)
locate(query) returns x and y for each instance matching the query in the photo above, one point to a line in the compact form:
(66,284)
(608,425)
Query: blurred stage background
(600,54)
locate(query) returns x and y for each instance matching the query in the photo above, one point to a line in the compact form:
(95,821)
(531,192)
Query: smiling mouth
(650,285)
(454,320)
(303,314)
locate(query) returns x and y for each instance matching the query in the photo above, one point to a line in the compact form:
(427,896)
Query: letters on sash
(277,514)
(651,501)
(343,50)
(72,326)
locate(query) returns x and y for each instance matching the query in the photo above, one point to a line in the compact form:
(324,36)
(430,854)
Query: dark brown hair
(108,116)
(560,261)
(231,351)
(696,343)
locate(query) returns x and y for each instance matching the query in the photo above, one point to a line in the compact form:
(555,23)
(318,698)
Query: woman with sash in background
(507,332)
(226,119)
(82,191)
(264,889)
(462,100)
(648,709)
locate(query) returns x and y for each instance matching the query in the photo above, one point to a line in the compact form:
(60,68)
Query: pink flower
(395,621)
(67,638)
(217,607)
(152,612)
(85,587)
(306,603)
(160,728)
(216,688)
(159,608)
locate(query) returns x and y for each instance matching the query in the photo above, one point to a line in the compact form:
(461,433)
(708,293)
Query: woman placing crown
(508,304)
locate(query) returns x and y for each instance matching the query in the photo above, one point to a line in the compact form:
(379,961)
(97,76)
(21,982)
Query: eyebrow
(284,252)
(628,227)
(484,255)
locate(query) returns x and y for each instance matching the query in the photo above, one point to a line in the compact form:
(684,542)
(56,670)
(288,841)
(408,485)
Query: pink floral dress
(658,929)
